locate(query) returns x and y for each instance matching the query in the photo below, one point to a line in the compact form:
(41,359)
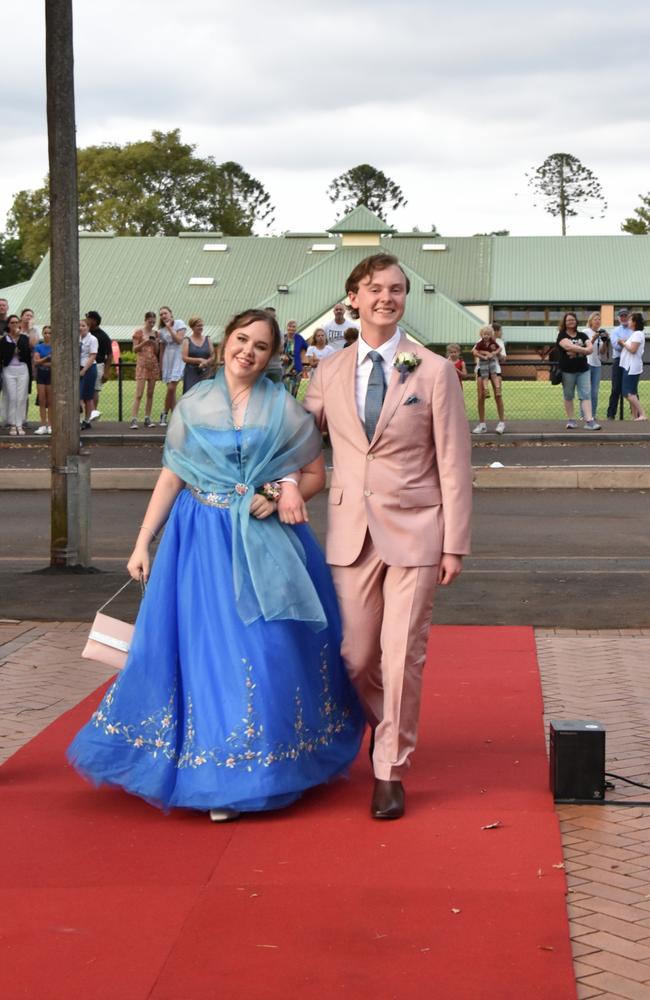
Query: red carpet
(103,897)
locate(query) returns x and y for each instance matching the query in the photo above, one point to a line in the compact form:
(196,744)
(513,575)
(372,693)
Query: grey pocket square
(411,400)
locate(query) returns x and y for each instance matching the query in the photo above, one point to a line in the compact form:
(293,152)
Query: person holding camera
(600,352)
(146,345)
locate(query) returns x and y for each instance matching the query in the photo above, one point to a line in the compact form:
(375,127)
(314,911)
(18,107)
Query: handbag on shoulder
(109,639)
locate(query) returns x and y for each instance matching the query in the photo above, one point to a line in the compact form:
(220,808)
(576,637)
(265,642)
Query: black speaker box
(577,759)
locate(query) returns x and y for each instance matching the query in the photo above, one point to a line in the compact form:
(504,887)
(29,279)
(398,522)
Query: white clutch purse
(109,640)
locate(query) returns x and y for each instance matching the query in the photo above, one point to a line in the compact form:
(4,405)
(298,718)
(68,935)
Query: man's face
(291,328)
(339,313)
(624,318)
(91,323)
(381,297)
(4,308)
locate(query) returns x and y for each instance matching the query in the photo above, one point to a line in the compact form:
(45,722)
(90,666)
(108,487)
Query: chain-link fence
(527,394)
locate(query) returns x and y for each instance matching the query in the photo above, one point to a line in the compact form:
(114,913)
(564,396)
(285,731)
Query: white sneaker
(224,815)
(13,431)
(49,429)
(42,429)
(95,415)
(500,427)
(480,429)
(134,424)
(20,430)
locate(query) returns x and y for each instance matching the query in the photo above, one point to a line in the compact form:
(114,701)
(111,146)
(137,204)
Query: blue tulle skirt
(210,712)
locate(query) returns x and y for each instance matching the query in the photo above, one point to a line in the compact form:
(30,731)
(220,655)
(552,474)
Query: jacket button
(370,457)
(367,493)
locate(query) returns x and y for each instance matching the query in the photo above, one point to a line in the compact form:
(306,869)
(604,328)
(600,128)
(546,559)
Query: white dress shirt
(364,367)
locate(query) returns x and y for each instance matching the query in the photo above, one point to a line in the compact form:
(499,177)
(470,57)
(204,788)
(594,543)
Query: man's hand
(292,509)
(450,567)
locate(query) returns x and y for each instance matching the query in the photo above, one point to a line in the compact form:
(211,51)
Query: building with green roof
(457,283)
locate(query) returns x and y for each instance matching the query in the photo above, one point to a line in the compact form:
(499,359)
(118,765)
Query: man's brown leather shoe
(387,800)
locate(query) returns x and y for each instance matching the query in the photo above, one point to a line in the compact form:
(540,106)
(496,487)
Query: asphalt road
(148,455)
(564,558)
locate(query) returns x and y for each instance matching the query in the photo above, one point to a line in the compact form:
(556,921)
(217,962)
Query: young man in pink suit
(399,508)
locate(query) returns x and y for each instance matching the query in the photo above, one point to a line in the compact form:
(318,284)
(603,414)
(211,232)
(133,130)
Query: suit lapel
(394,393)
(346,379)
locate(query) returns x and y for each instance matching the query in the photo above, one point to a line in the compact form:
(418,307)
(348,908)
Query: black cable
(629,781)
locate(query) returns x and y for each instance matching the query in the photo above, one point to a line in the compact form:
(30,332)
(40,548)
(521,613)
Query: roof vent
(283,289)
(323,247)
(201,281)
(215,246)
(434,246)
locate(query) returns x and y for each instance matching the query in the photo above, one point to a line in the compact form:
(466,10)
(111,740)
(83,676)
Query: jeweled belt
(218,499)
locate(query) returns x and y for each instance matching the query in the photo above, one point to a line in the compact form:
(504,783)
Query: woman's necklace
(238,401)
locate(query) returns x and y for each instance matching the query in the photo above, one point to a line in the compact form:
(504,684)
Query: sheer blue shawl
(278,437)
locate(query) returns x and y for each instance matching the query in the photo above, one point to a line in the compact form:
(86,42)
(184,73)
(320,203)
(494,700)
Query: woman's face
(83,328)
(570,322)
(595,322)
(247,351)
(197,329)
(149,322)
(320,339)
(14,325)
(165,316)
(47,333)
(27,318)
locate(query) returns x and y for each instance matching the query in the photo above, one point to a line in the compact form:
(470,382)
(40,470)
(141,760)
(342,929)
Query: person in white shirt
(319,348)
(632,364)
(600,343)
(88,348)
(335,329)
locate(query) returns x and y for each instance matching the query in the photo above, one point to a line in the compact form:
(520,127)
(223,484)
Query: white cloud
(455,104)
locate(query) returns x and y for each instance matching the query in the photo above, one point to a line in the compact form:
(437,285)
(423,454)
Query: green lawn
(522,401)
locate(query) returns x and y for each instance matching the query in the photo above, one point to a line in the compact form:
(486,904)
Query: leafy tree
(13,267)
(154,187)
(365,185)
(495,232)
(641,225)
(566,184)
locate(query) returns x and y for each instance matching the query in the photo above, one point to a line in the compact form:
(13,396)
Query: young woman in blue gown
(234,697)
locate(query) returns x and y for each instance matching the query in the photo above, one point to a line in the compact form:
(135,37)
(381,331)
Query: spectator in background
(335,329)
(171,334)
(146,346)
(491,374)
(318,349)
(600,351)
(198,354)
(28,327)
(274,370)
(87,372)
(574,347)
(16,363)
(4,309)
(294,351)
(4,326)
(616,335)
(42,360)
(453,355)
(632,364)
(104,357)
(350,336)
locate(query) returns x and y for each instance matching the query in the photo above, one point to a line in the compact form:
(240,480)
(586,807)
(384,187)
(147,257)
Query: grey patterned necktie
(375,394)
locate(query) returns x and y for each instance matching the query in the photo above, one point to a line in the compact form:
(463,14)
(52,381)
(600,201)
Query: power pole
(70,490)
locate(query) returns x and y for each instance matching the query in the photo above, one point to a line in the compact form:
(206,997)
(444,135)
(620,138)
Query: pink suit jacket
(411,486)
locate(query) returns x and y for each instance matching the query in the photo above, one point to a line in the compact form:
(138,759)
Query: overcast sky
(455,102)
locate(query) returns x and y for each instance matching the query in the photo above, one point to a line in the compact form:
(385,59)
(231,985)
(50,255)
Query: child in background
(486,352)
(453,355)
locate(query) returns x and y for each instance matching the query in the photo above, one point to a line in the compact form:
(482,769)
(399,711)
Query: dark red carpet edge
(103,897)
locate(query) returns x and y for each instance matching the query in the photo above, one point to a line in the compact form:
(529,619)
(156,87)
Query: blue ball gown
(210,712)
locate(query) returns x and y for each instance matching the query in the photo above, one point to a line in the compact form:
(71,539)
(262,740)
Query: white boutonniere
(406,363)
